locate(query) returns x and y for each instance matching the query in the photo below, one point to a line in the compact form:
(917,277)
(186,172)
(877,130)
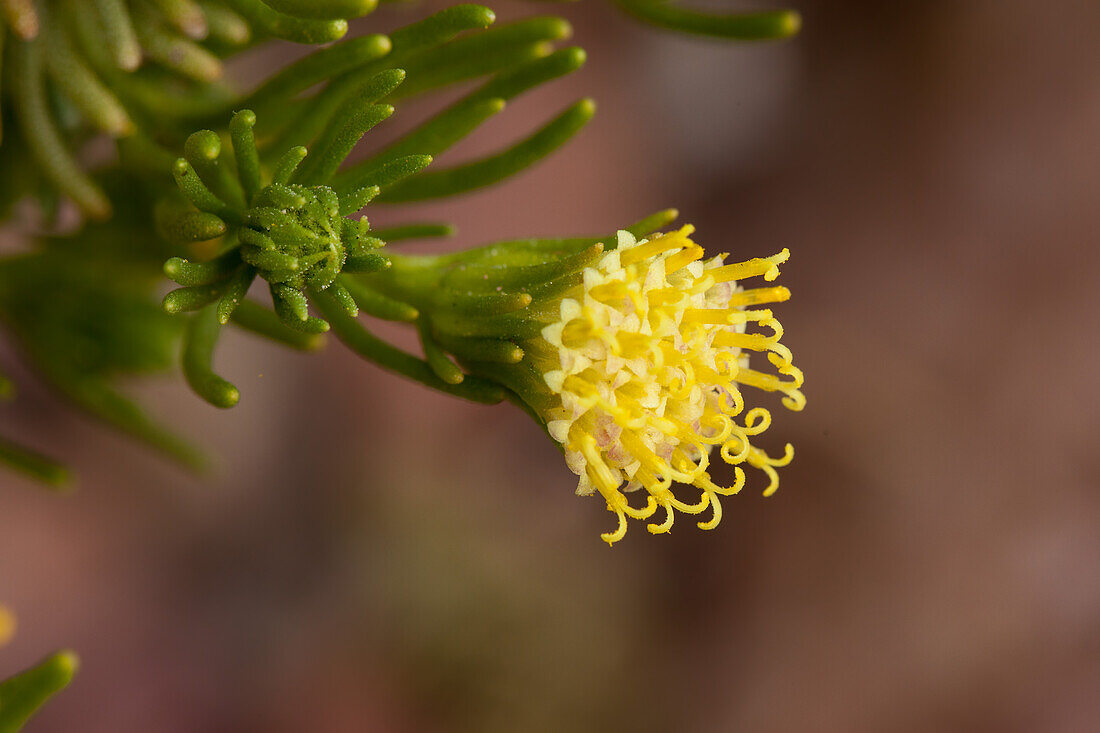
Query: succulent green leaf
(356,200)
(224,25)
(442,27)
(513,82)
(193,297)
(186,16)
(327,63)
(497,351)
(118,33)
(37,466)
(489,170)
(288,163)
(440,132)
(337,142)
(198,351)
(293,310)
(165,46)
(438,360)
(352,333)
(324,9)
(81,86)
(387,174)
(758,26)
(42,136)
(22,695)
(244,152)
(280,25)
(376,304)
(253,317)
(235,293)
(196,190)
(202,149)
(414,231)
(189,226)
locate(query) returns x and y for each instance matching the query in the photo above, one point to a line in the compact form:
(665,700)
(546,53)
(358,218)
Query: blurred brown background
(373,557)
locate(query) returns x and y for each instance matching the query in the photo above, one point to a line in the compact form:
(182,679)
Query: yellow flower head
(646,364)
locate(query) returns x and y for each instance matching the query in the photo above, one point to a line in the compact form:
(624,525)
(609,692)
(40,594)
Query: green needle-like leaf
(484,172)
(375,304)
(414,231)
(42,136)
(441,27)
(38,467)
(336,145)
(364,343)
(181,54)
(253,317)
(22,695)
(202,150)
(324,9)
(280,25)
(234,294)
(356,200)
(224,25)
(198,352)
(497,351)
(288,163)
(77,82)
(118,34)
(387,174)
(187,273)
(440,132)
(189,226)
(759,26)
(196,191)
(438,360)
(511,83)
(185,16)
(244,151)
(346,129)
(322,65)
(193,297)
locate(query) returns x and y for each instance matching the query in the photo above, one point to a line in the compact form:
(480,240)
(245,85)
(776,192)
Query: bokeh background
(369,556)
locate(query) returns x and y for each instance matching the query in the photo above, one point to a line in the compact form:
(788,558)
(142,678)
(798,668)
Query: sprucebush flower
(633,353)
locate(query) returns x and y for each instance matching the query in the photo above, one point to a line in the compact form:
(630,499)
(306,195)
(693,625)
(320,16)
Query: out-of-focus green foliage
(23,694)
